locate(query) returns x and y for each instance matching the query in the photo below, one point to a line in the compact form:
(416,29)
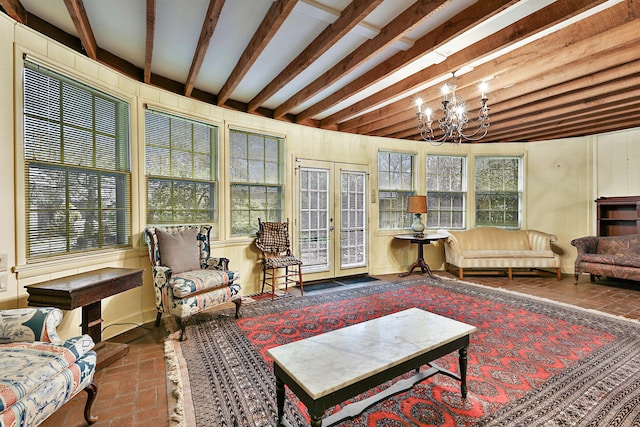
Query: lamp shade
(417,204)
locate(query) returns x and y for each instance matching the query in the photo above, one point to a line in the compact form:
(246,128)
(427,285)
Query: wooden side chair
(279,266)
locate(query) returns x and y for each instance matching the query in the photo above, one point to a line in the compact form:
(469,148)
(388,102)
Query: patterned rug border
(183,415)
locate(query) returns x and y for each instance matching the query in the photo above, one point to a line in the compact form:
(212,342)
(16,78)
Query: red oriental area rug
(531,361)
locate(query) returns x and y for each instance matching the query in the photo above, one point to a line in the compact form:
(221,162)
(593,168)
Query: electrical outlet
(3,262)
(3,282)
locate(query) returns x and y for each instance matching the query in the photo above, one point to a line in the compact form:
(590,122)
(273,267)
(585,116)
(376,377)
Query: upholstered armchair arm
(585,245)
(540,241)
(217,263)
(30,324)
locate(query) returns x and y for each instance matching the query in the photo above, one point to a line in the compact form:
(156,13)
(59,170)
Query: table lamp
(417,205)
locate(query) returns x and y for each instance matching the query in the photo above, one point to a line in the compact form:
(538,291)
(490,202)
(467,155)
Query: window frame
(518,193)
(175,181)
(270,190)
(397,195)
(435,209)
(116,197)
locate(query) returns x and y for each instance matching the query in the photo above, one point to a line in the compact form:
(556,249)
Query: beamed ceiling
(555,69)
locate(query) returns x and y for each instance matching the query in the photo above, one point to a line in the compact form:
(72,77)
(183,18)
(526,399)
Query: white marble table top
(331,361)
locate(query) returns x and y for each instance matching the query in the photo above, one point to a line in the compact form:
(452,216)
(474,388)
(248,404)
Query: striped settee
(490,248)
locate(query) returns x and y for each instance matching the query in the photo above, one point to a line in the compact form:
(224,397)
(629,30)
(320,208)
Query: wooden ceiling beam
(413,16)
(522,73)
(150,35)
(446,32)
(517,112)
(81,22)
(208,27)
(589,126)
(354,13)
(15,10)
(518,31)
(273,20)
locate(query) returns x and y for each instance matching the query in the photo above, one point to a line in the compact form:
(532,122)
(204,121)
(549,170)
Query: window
(181,162)
(446,191)
(77,166)
(498,184)
(395,185)
(256,180)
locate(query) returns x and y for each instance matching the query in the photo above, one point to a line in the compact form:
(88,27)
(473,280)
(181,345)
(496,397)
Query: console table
(420,241)
(87,290)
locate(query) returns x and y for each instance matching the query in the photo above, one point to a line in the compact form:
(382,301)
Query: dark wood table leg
(462,360)
(419,263)
(316,421)
(106,352)
(280,400)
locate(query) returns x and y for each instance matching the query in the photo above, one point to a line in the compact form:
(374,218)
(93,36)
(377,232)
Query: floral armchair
(187,280)
(39,372)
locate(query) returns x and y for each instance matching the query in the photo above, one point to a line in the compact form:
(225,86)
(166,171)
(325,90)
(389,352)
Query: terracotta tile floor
(132,391)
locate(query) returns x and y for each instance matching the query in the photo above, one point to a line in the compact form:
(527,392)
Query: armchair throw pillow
(179,251)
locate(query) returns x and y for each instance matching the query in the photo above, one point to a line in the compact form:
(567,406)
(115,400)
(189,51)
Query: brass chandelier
(454,121)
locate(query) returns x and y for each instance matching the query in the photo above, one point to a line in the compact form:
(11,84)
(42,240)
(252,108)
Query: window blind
(77,165)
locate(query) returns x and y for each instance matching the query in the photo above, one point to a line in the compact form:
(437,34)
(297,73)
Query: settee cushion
(507,254)
(180,251)
(192,282)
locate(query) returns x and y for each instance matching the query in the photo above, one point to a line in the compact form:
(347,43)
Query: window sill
(77,262)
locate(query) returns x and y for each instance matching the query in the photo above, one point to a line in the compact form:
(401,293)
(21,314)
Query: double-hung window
(446,191)
(77,166)
(395,185)
(181,163)
(256,166)
(498,186)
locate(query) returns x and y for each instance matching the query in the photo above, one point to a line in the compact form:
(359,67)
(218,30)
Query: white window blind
(77,165)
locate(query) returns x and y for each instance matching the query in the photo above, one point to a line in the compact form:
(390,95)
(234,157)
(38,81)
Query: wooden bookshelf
(618,216)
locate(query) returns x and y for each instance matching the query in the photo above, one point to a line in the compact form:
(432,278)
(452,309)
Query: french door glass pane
(353,214)
(314,218)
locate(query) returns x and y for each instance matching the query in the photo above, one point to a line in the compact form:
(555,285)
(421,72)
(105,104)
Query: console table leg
(462,359)
(92,321)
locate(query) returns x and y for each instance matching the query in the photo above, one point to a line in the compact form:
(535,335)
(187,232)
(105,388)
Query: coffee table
(329,368)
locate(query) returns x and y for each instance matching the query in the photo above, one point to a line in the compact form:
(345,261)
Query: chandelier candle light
(417,205)
(454,119)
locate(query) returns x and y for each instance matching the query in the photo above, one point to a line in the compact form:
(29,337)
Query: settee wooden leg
(510,273)
(460,273)
(158,317)
(559,273)
(238,303)
(577,276)
(92,392)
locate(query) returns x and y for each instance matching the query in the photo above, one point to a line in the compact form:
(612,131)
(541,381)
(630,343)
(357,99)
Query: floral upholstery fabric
(38,376)
(191,292)
(608,256)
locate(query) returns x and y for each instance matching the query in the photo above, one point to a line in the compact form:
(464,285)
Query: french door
(332,218)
